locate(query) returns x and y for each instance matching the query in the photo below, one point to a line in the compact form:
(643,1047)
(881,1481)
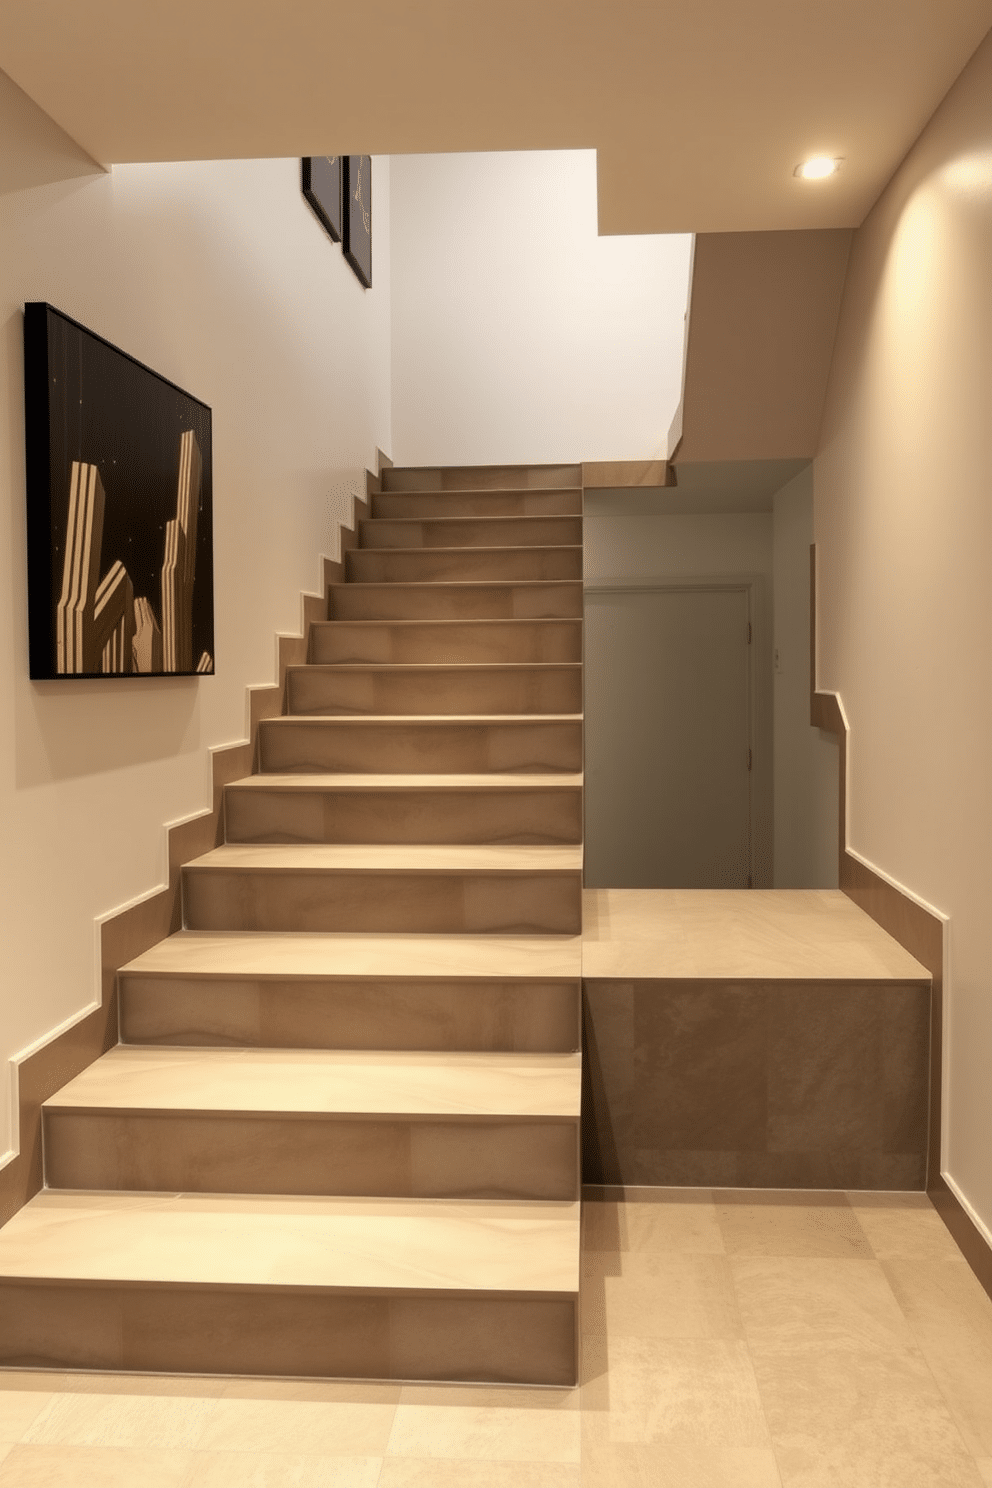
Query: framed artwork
(322,189)
(119,495)
(358,215)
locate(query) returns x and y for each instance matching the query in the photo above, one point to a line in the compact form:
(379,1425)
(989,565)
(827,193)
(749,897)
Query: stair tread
(281,954)
(461,583)
(328,1081)
(473,667)
(399,857)
(380,783)
(449,624)
(381,1245)
(420,719)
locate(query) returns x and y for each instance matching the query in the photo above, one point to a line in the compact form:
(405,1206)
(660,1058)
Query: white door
(667,738)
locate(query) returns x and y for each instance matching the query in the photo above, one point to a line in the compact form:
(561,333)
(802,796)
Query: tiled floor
(731,1340)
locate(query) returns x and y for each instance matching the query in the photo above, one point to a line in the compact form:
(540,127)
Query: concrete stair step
(433,890)
(528,599)
(462,993)
(435,690)
(225,1284)
(390,1124)
(420,642)
(480,477)
(404,808)
(431,565)
(470,532)
(561,502)
(429,745)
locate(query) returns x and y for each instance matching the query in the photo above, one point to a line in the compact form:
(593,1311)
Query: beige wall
(806,764)
(903,504)
(518,333)
(218,276)
(762,318)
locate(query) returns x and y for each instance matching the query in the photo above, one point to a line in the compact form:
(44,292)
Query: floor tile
(532,1433)
(680,1391)
(903,1226)
(93,1467)
(680,1220)
(195,1386)
(429,1472)
(18,1408)
(985,1469)
(790,1224)
(787,1303)
(491,1397)
(313,1428)
(858,1464)
(629,1465)
(139,1421)
(330,1392)
(651,1295)
(951,1317)
(270,1470)
(819,1400)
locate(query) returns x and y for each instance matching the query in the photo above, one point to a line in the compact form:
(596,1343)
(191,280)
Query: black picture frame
(119,510)
(358,215)
(321,176)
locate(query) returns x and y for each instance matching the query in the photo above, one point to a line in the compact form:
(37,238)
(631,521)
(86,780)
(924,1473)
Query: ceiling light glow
(817,168)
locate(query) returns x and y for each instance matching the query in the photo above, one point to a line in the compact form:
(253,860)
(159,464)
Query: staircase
(340,1134)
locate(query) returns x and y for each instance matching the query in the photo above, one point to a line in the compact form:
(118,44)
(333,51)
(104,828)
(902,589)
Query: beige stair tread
(379,783)
(282,954)
(343,1082)
(799,934)
(350,1244)
(391,858)
(420,720)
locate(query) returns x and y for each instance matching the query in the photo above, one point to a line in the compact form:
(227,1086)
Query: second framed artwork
(357,193)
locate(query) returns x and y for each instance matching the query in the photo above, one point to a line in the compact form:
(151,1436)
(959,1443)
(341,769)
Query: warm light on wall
(818,168)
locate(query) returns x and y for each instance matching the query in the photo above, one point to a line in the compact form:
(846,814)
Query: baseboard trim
(55,1061)
(965,1231)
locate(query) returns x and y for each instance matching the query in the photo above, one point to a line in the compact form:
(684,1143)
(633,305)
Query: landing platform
(763,934)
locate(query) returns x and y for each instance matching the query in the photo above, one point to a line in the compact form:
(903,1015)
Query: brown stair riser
(427,691)
(533,1017)
(481,478)
(446,643)
(427,504)
(287,1331)
(440,565)
(253,814)
(390,1156)
(443,903)
(471,532)
(509,601)
(329,744)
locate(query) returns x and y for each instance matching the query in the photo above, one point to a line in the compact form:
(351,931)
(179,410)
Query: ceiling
(699,112)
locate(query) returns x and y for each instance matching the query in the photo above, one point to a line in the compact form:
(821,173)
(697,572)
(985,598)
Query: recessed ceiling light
(817,168)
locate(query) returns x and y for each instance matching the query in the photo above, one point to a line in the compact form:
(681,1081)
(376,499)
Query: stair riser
(352,689)
(380,1157)
(439,565)
(455,601)
(430,504)
(481,477)
(423,903)
(446,644)
(447,1016)
(290,1331)
(441,816)
(472,532)
(297,745)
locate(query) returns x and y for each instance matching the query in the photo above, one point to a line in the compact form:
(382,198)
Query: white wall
(519,335)
(806,759)
(904,530)
(218,276)
(625,543)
